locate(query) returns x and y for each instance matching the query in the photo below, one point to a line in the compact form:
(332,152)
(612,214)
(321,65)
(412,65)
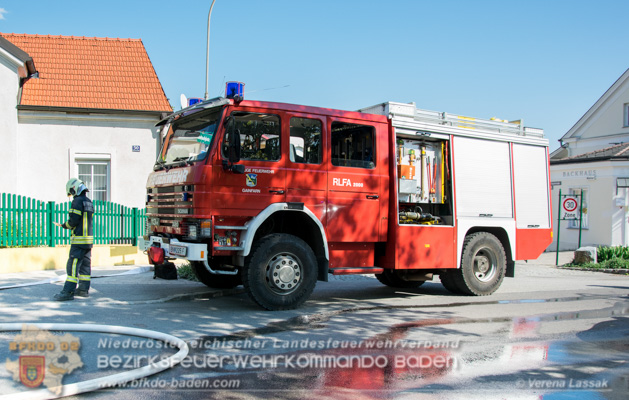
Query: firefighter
(79,265)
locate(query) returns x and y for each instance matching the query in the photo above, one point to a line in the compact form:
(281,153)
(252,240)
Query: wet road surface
(547,334)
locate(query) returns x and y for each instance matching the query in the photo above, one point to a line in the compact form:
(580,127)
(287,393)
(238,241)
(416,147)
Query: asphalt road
(546,334)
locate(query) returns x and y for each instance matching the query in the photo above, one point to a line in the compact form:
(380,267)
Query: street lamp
(207,54)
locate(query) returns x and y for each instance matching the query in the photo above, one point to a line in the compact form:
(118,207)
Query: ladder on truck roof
(409,112)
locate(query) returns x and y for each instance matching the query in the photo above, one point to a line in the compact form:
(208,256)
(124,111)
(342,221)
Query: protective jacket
(80,221)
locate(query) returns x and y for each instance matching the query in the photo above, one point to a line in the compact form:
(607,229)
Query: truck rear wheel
(280,273)
(391,278)
(215,281)
(483,265)
(448,281)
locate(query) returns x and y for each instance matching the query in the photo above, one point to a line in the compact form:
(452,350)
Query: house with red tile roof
(78,107)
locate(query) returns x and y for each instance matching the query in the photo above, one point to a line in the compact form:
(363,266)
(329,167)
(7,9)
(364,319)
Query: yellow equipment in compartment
(407,217)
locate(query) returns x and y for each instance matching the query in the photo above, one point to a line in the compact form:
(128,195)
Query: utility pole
(207,54)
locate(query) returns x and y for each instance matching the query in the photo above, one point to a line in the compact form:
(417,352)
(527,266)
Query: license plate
(177,250)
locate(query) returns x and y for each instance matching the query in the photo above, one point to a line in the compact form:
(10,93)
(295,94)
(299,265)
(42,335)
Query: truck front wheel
(483,265)
(215,281)
(280,273)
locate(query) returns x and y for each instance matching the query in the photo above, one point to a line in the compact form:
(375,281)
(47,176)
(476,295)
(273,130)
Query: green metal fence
(27,222)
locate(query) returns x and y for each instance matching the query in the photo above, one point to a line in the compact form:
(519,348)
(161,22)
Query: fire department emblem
(44,358)
(251,179)
(32,370)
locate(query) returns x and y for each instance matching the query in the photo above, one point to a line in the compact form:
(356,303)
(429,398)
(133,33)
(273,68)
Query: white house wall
(603,124)
(50,143)
(607,212)
(608,120)
(9,85)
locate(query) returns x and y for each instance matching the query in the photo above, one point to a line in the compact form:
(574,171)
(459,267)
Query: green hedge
(605,253)
(608,257)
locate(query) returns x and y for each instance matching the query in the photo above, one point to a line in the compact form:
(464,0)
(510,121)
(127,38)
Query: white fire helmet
(75,187)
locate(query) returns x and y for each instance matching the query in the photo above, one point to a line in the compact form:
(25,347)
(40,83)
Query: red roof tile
(88,72)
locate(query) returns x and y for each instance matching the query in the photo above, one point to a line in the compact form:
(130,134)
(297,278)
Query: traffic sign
(569,207)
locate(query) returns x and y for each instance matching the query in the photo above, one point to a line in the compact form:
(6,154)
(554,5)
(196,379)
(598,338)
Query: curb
(139,270)
(607,271)
(210,294)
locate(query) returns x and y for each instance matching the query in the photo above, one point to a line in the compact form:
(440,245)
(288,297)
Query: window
(626,119)
(259,136)
(305,141)
(621,183)
(585,204)
(95,174)
(191,138)
(352,145)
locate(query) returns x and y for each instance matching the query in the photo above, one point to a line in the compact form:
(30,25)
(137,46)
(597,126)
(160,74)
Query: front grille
(168,208)
(170,189)
(173,201)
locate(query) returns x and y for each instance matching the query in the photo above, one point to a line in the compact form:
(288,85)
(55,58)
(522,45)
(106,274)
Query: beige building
(594,161)
(78,107)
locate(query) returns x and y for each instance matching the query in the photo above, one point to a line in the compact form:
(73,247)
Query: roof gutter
(85,111)
(588,160)
(26,65)
(31,72)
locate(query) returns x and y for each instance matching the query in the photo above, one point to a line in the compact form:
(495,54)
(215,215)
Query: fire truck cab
(277,196)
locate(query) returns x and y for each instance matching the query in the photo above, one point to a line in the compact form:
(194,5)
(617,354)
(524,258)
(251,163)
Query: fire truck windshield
(189,138)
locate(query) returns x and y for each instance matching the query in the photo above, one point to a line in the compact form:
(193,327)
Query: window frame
(228,128)
(173,127)
(290,136)
(92,162)
(584,204)
(349,161)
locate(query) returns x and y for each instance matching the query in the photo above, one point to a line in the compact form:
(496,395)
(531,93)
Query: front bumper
(174,248)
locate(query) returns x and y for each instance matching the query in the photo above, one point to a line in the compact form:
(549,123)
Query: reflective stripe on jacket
(80,221)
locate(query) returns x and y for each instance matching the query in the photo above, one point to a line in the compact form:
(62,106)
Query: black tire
(215,281)
(448,281)
(280,273)
(391,278)
(483,265)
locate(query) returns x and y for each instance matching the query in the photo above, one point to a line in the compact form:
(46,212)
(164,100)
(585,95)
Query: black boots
(64,296)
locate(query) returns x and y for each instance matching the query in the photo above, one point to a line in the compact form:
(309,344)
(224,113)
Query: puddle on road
(316,321)
(390,365)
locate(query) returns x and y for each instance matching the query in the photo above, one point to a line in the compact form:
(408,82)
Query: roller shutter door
(483,178)
(531,186)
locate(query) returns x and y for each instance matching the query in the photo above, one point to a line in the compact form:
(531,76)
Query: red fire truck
(277,196)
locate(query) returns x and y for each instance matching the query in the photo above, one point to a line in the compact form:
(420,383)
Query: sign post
(568,204)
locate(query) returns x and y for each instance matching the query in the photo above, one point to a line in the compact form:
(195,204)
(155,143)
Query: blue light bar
(233,89)
(194,100)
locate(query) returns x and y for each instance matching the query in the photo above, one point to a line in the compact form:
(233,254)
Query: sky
(543,61)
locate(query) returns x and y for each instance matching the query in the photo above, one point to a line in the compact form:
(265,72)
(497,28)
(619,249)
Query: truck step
(356,270)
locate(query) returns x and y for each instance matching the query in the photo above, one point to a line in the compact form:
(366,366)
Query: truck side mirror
(234,146)
(233,153)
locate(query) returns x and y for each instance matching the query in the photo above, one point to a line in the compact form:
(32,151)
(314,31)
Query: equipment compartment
(424,184)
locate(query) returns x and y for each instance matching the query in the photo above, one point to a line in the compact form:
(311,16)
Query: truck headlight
(192,231)
(206,228)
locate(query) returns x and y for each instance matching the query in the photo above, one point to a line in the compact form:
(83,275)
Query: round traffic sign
(570,204)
